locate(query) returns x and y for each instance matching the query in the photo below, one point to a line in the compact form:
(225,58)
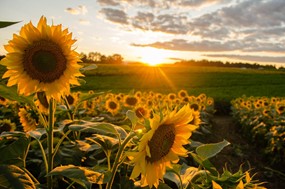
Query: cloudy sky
(162,30)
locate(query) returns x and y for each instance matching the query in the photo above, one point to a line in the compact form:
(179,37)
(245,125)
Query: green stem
(60,142)
(70,114)
(117,159)
(108,155)
(44,155)
(26,153)
(50,141)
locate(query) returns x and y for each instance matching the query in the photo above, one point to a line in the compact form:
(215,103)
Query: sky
(158,31)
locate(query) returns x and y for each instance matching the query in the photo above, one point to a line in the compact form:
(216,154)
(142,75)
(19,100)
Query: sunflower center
(131,101)
(44,61)
(161,142)
(112,105)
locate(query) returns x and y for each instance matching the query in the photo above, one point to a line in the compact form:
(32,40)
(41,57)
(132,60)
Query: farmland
(223,84)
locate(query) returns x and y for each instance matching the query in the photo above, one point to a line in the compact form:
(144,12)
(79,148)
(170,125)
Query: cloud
(250,58)
(184,45)
(199,3)
(216,46)
(108,2)
(115,15)
(167,23)
(81,9)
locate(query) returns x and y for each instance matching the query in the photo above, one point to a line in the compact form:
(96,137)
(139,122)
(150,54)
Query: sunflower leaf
(207,151)
(4,24)
(99,128)
(38,133)
(133,117)
(81,175)
(13,150)
(12,176)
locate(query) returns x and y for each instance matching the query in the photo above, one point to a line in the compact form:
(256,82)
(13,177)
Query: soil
(241,152)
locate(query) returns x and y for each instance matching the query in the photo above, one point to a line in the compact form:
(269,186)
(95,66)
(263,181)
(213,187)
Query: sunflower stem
(117,159)
(50,141)
(70,113)
(60,142)
(43,154)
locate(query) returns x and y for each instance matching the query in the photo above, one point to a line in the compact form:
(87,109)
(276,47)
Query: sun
(153,57)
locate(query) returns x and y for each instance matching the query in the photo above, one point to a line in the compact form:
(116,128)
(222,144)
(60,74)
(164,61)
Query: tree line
(226,64)
(96,57)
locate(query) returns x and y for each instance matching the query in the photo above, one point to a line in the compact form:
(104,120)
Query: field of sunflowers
(54,137)
(262,120)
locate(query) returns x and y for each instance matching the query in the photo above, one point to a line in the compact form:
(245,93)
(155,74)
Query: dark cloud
(198,3)
(81,9)
(115,15)
(108,2)
(216,46)
(143,20)
(167,23)
(184,45)
(250,58)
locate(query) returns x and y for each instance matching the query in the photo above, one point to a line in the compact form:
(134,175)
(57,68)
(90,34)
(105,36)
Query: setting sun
(153,57)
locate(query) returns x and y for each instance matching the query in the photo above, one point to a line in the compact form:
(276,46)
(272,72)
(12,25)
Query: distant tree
(117,59)
(103,59)
(83,57)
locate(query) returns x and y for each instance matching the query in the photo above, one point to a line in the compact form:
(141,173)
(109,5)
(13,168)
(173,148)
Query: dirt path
(240,152)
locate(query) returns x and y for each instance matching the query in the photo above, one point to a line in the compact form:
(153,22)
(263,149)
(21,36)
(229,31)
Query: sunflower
(27,119)
(162,145)
(7,125)
(171,96)
(3,101)
(131,101)
(182,93)
(40,59)
(142,112)
(112,106)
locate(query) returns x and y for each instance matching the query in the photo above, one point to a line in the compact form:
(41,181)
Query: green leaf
(12,94)
(163,186)
(207,151)
(99,128)
(205,163)
(38,133)
(131,115)
(12,176)
(106,142)
(81,175)
(173,177)
(4,24)
(13,150)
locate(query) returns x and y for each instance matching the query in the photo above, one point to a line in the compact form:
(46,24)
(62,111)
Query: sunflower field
(262,120)
(52,137)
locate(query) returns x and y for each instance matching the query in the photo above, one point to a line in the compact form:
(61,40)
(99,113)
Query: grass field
(223,84)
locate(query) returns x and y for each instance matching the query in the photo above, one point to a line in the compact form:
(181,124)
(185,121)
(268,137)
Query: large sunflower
(162,145)
(41,59)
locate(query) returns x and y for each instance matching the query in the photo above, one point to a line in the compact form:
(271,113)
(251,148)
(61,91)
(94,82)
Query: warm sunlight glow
(154,57)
